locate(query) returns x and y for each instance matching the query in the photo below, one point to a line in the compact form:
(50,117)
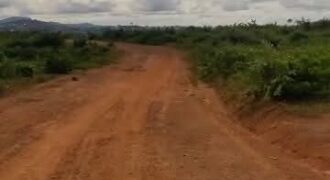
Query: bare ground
(303,136)
(141,119)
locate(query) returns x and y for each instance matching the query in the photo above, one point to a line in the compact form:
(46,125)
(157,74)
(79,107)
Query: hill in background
(14,24)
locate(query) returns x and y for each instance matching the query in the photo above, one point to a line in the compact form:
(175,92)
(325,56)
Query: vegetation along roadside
(250,62)
(29,57)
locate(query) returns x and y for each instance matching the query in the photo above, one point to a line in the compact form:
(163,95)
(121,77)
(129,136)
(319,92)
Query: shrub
(58,66)
(80,42)
(2,57)
(273,39)
(23,53)
(110,44)
(2,88)
(54,40)
(266,73)
(270,77)
(19,43)
(292,80)
(240,37)
(222,63)
(25,71)
(7,69)
(26,55)
(298,37)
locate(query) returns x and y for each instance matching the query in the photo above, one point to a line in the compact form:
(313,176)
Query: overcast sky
(166,12)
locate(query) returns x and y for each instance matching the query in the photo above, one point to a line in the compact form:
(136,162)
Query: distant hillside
(14,24)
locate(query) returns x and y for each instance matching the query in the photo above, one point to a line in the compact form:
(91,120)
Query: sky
(166,12)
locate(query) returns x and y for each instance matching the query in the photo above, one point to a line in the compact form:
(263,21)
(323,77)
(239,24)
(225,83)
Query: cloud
(160,5)
(259,1)
(30,7)
(235,5)
(91,6)
(4,3)
(307,4)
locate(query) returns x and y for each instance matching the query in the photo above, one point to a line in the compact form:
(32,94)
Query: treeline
(27,56)
(253,62)
(143,35)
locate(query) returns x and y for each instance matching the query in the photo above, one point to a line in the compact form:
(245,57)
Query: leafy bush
(222,63)
(298,37)
(80,42)
(265,73)
(2,88)
(7,69)
(20,43)
(25,71)
(22,53)
(2,57)
(33,55)
(58,66)
(110,44)
(54,40)
(152,35)
(241,37)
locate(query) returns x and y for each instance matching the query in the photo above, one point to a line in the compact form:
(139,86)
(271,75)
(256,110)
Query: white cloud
(159,5)
(236,5)
(307,4)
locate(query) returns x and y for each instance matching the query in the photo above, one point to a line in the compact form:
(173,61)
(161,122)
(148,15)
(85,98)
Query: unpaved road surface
(142,119)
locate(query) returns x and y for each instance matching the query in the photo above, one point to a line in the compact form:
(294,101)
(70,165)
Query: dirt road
(142,119)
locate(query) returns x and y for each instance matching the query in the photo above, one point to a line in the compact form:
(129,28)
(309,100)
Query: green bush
(22,53)
(111,44)
(298,37)
(27,55)
(80,42)
(7,69)
(222,62)
(19,43)
(58,66)
(2,88)
(25,71)
(54,40)
(290,80)
(2,57)
(268,74)
(240,37)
